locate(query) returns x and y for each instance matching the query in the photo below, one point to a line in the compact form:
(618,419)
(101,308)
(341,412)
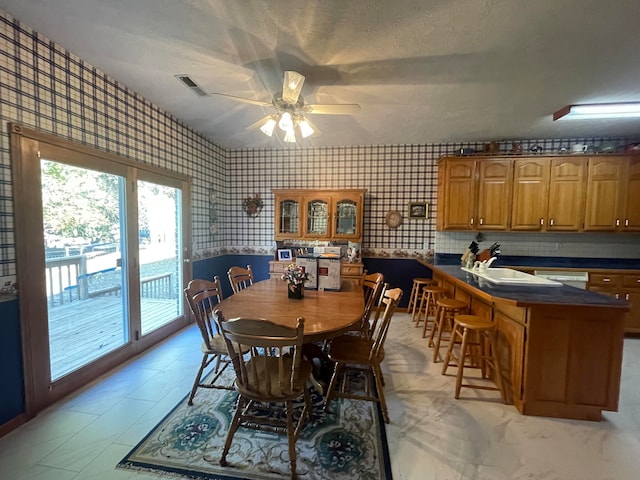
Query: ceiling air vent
(193,86)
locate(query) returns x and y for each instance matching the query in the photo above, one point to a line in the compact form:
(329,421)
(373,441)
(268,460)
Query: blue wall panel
(12,398)
(398,272)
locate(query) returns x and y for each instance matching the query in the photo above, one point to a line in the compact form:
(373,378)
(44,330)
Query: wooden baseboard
(12,424)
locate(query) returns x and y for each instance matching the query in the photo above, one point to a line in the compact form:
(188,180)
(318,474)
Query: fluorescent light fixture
(268,126)
(596,111)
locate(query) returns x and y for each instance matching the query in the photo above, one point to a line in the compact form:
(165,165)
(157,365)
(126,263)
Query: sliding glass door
(161,259)
(102,260)
(84,230)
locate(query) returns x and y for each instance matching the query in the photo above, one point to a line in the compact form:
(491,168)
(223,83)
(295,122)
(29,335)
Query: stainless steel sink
(508,276)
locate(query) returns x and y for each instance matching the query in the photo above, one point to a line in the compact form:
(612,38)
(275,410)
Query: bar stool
(477,343)
(416,291)
(427,307)
(446,309)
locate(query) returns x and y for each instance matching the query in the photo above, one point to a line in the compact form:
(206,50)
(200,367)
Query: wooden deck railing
(68,281)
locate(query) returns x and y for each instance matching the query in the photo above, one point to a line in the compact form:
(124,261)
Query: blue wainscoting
(220,266)
(398,272)
(12,398)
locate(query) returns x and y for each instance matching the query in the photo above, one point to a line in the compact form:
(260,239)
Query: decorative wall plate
(393,219)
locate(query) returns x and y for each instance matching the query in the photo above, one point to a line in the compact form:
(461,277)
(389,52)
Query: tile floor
(431,435)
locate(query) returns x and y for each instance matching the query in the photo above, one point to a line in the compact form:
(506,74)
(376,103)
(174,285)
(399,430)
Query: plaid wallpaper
(45,87)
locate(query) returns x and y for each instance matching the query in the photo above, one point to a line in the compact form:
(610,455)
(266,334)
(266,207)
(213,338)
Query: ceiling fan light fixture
(290,135)
(268,126)
(286,121)
(292,86)
(598,111)
(306,130)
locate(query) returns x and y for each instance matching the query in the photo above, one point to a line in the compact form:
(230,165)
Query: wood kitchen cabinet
(562,193)
(549,193)
(349,272)
(620,284)
(606,185)
(476,194)
(329,215)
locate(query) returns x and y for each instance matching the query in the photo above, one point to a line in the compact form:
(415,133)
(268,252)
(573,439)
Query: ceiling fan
(292,109)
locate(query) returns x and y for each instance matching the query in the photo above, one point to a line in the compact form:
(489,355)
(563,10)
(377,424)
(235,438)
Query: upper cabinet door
(460,192)
(606,184)
(347,215)
(287,218)
(530,194)
(567,189)
(631,222)
(494,194)
(317,217)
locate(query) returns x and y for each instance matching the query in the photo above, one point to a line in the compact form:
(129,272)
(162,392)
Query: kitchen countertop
(528,295)
(565,263)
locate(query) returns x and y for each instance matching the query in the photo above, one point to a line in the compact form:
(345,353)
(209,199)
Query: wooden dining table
(326,314)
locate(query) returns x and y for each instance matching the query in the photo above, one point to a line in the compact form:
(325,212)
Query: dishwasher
(573,279)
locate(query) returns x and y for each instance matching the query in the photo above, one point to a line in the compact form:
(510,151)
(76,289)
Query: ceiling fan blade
(292,86)
(333,109)
(260,122)
(245,100)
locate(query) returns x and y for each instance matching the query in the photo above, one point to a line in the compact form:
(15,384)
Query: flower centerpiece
(295,275)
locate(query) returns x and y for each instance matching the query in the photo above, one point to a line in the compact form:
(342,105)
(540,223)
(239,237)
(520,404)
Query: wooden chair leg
(332,385)
(235,423)
(291,434)
(196,382)
(463,354)
(377,374)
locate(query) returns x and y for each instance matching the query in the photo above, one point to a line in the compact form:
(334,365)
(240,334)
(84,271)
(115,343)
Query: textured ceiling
(422,70)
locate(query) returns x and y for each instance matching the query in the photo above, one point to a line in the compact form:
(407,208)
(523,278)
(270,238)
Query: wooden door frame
(26,145)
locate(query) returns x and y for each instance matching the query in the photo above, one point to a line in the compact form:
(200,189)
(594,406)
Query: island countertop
(527,295)
(559,347)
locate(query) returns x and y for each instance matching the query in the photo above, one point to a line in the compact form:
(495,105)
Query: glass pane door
(160,246)
(317,217)
(83,224)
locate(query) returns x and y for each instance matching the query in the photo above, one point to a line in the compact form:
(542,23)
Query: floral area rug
(346,442)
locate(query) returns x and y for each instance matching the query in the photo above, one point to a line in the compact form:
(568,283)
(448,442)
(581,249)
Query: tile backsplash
(579,245)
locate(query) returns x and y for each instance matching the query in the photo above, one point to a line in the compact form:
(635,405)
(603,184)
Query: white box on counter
(310,265)
(329,274)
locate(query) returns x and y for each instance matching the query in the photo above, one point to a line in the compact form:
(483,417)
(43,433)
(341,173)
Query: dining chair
(373,286)
(273,371)
(364,354)
(202,297)
(240,278)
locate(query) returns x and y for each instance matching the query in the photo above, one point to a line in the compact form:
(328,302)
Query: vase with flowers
(295,275)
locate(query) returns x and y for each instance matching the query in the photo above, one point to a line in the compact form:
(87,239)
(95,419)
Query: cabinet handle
(626,222)
(617,222)
(606,280)
(626,297)
(542,221)
(481,221)
(617,296)
(471,221)
(551,222)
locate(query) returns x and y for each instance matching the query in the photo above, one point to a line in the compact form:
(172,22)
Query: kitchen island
(559,347)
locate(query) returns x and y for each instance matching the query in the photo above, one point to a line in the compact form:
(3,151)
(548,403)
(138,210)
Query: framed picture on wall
(418,210)
(284,254)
